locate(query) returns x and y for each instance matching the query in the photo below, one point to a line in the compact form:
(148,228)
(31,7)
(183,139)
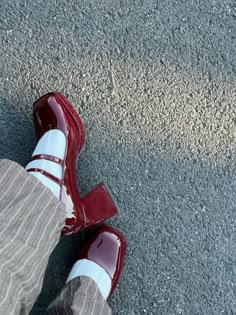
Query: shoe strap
(47,174)
(47,157)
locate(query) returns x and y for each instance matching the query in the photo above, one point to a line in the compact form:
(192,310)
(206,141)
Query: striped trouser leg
(81,296)
(31,220)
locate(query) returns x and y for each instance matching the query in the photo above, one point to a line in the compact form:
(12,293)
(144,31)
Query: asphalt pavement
(154,82)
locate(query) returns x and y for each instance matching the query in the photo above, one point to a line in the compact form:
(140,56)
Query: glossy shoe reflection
(61,135)
(102,259)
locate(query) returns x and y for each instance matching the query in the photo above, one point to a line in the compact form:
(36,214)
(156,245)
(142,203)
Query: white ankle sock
(52,143)
(88,268)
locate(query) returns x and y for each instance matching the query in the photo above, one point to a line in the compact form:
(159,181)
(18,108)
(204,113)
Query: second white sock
(88,268)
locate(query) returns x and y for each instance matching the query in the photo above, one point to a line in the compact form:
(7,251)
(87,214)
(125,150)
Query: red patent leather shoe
(102,259)
(107,249)
(61,136)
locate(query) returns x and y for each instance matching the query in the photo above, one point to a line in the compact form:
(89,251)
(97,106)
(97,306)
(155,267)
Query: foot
(102,259)
(61,136)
